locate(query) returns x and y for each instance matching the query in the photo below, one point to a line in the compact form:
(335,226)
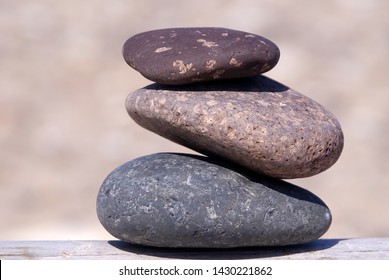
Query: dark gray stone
(178,200)
(186,55)
(254,122)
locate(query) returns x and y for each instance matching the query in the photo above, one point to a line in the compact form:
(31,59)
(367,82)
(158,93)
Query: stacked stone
(210,96)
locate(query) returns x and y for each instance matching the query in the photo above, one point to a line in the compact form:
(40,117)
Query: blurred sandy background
(63,83)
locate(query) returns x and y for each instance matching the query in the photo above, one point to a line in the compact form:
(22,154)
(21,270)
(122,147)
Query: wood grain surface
(326,249)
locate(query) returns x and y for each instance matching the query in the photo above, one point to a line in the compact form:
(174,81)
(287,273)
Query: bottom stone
(180,200)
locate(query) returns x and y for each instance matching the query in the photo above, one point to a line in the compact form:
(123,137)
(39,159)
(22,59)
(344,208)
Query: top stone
(178,56)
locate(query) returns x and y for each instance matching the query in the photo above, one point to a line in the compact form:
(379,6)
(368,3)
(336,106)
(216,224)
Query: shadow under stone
(225,254)
(258,83)
(275,184)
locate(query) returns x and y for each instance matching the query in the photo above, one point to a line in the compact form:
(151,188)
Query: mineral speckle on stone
(178,200)
(187,55)
(257,123)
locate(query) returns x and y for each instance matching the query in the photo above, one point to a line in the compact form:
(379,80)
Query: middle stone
(256,122)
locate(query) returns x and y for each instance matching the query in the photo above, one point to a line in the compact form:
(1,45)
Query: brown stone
(256,122)
(186,55)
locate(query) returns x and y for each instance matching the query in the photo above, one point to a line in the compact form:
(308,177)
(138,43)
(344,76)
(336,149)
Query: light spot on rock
(225,34)
(196,109)
(211,213)
(230,106)
(188,180)
(182,98)
(210,64)
(234,62)
(162,101)
(263,103)
(206,43)
(163,49)
(182,67)
(283,138)
(212,102)
(250,36)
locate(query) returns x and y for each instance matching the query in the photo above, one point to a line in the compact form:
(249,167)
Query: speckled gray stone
(254,122)
(186,55)
(178,200)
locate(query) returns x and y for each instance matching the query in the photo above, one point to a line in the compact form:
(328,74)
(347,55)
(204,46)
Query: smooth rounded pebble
(254,122)
(179,200)
(186,55)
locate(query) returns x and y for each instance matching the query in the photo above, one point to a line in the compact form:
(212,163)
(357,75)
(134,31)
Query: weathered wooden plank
(368,248)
